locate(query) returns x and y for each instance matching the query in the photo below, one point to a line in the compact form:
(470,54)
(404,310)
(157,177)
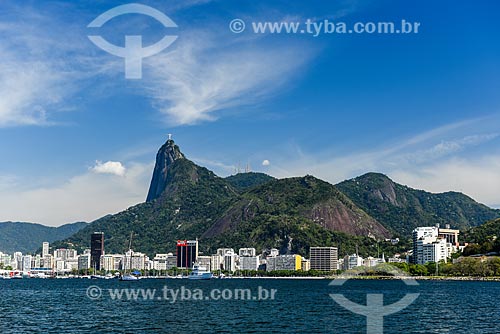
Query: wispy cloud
(434,160)
(46,59)
(205,75)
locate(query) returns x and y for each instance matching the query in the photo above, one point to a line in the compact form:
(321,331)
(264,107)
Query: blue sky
(78,139)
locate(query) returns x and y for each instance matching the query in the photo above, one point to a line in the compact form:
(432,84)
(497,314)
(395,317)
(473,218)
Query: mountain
(28,237)
(292,214)
(401,209)
(305,197)
(245,181)
(186,201)
(162,174)
(183,201)
(484,238)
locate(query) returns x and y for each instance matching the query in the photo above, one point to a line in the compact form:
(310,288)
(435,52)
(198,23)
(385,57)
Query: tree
(418,270)
(494,265)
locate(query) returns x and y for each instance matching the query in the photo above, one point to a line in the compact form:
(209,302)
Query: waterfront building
(26,263)
(205,261)
(84,261)
(111,262)
(216,263)
(5,259)
(65,254)
(249,262)
(352,261)
(229,261)
(187,253)
(305,265)
(225,259)
(224,251)
(433,244)
(247,252)
(433,251)
(426,234)
(284,262)
(134,260)
(36,261)
(96,249)
(248,259)
(47,261)
(171,261)
(164,261)
(323,258)
(370,262)
(45,249)
(17,261)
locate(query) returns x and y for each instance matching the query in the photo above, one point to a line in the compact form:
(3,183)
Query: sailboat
(129,276)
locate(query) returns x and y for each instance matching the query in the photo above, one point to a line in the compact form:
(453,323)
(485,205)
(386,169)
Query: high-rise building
(324,258)
(284,262)
(26,263)
(45,249)
(248,259)
(434,251)
(187,253)
(65,254)
(84,262)
(426,235)
(433,244)
(96,249)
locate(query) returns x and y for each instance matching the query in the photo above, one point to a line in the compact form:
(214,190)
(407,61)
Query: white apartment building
(111,262)
(430,244)
(84,261)
(249,262)
(247,252)
(134,260)
(352,261)
(45,249)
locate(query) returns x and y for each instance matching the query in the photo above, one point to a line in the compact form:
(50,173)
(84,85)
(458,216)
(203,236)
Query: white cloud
(442,159)
(41,66)
(202,76)
(84,197)
(109,167)
(477,178)
(266,163)
(447,147)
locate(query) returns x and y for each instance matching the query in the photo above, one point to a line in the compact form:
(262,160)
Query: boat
(130,276)
(200,272)
(97,277)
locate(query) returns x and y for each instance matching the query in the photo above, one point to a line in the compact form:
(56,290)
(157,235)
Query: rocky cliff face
(307,198)
(165,158)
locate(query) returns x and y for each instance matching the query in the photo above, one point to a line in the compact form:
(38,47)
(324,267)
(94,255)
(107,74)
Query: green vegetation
(464,267)
(28,237)
(401,208)
(484,239)
(245,181)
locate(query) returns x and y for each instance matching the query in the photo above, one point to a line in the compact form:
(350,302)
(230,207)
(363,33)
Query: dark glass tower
(96,249)
(187,253)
